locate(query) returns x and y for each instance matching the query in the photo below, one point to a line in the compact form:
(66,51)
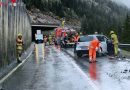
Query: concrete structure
(45,28)
(13,20)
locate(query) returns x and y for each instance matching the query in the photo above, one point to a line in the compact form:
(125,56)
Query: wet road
(106,74)
(52,69)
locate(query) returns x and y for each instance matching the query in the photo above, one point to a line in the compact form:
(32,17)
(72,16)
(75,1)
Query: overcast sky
(126,2)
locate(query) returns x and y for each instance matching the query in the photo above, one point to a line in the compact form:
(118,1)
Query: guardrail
(124,44)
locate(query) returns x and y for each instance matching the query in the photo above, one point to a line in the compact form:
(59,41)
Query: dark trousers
(74,47)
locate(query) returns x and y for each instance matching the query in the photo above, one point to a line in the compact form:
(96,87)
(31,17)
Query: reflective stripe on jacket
(19,43)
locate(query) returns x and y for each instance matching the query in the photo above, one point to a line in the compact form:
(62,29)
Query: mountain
(96,15)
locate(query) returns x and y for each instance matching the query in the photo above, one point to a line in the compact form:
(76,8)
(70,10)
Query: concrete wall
(13,20)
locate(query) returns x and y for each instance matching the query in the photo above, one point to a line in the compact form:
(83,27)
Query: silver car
(84,41)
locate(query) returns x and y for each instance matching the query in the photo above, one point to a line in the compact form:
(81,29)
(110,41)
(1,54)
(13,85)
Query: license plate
(83,48)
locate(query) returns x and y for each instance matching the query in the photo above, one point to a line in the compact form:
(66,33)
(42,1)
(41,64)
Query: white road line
(36,54)
(86,77)
(83,74)
(43,51)
(11,72)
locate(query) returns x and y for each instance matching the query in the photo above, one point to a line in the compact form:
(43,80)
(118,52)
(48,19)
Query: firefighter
(76,39)
(115,42)
(19,45)
(50,39)
(63,23)
(93,47)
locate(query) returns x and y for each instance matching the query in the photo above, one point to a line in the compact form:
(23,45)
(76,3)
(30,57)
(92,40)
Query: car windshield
(85,38)
(101,38)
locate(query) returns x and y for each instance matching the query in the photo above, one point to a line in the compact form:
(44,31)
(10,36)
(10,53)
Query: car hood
(83,43)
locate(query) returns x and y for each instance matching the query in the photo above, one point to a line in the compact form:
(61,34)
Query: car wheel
(79,54)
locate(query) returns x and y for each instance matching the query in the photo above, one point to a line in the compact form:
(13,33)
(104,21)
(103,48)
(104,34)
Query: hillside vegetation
(95,15)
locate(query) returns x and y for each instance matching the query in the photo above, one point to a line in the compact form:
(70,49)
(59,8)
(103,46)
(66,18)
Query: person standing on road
(76,39)
(115,42)
(110,49)
(45,40)
(65,40)
(58,34)
(93,47)
(63,23)
(19,46)
(50,39)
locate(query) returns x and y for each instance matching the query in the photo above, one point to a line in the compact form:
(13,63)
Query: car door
(103,43)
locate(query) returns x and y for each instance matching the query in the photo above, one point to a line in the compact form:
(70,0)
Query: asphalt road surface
(52,69)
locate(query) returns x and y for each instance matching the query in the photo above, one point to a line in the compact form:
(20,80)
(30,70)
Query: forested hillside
(95,15)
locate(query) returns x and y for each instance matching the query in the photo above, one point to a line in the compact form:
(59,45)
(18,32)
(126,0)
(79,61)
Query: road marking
(43,51)
(86,77)
(11,72)
(82,73)
(36,53)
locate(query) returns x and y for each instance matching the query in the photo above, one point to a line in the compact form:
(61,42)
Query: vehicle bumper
(82,51)
(38,41)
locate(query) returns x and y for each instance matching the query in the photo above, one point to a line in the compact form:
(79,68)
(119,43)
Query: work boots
(19,60)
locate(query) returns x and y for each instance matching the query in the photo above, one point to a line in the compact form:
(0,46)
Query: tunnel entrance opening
(45,29)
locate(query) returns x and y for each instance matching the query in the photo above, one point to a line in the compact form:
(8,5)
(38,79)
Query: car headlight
(78,48)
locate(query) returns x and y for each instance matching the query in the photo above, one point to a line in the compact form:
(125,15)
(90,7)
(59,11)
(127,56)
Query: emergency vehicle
(38,37)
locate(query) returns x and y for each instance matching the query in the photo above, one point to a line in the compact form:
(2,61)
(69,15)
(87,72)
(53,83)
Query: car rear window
(39,37)
(85,38)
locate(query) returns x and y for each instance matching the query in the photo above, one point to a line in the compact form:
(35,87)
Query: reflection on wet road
(106,74)
(54,73)
(93,71)
(39,52)
(51,69)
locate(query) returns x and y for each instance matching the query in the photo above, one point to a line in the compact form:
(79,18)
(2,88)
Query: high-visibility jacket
(19,43)
(114,38)
(50,38)
(76,38)
(64,34)
(58,32)
(94,44)
(63,24)
(13,2)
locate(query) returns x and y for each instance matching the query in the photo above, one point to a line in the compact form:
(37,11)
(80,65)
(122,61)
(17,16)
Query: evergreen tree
(98,15)
(126,31)
(84,24)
